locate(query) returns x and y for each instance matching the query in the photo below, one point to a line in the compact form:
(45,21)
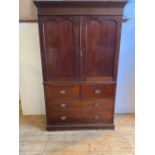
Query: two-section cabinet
(79,51)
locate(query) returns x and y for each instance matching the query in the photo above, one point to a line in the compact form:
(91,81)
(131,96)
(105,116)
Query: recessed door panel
(60,42)
(98,45)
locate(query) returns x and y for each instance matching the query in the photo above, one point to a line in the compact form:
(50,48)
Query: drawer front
(79,117)
(63,105)
(62,91)
(97,91)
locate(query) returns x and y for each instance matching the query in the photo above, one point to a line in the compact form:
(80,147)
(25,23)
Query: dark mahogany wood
(79,43)
(60,47)
(81,126)
(62,91)
(80,3)
(80,7)
(97,91)
(62,117)
(98,43)
(83,105)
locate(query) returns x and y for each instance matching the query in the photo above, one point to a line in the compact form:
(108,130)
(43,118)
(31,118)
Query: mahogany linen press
(79,41)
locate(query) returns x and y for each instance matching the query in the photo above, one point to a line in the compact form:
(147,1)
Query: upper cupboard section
(79,48)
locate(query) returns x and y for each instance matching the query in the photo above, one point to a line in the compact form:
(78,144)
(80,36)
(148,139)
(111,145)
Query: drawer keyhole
(63,118)
(97,91)
(62,105)
(62,92)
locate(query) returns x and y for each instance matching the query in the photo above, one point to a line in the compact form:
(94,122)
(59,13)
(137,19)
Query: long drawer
(62,91)
(79,117)
(65,105)
(97,91)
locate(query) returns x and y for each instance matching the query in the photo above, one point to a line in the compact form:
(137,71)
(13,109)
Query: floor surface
(35,140)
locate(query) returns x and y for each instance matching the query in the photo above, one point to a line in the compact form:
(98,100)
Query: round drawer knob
(62,105)
(63,118)
(97,117)
(96,104)
(97,91)
(62,92)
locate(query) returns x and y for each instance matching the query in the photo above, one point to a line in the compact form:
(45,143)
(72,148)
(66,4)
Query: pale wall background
(31,88)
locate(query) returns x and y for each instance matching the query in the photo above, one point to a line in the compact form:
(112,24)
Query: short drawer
(98,91)
(61,91)
(63,105)
(79,117)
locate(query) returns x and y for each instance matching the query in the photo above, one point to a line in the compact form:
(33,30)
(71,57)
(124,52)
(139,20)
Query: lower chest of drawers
(79,106)
(80,111)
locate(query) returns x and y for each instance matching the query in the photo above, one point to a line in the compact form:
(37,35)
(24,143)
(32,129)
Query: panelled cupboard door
(59,48)
(99,47)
